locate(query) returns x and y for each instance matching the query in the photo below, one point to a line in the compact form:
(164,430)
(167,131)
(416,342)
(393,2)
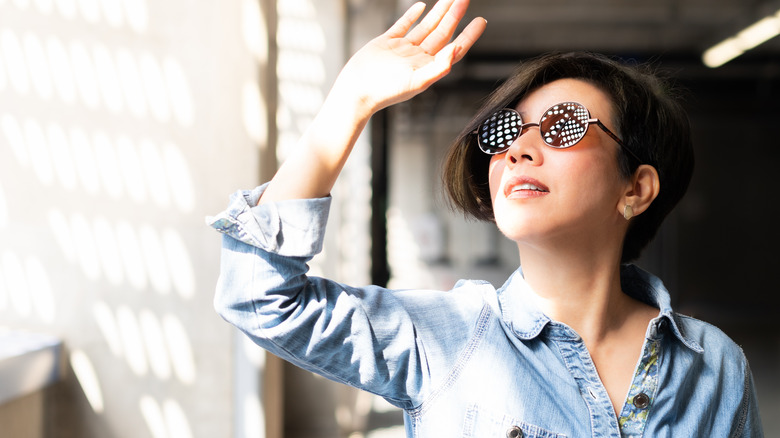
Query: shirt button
(514,432)
(641,400)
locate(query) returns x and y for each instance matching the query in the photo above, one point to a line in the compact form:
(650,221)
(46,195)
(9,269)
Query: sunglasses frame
(522,126)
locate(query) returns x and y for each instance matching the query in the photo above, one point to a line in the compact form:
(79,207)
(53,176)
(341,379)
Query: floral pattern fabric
(633,417)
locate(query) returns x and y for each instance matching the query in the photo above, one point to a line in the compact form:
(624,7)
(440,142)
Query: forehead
(595,100)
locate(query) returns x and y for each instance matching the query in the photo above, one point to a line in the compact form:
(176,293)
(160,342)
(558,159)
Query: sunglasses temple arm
(614,137)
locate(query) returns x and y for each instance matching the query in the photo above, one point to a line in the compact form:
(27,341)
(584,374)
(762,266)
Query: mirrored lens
(564,124)
(498,132)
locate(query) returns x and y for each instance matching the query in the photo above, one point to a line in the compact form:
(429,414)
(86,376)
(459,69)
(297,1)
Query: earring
(628,212)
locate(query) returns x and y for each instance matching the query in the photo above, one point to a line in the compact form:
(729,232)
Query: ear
(641,191)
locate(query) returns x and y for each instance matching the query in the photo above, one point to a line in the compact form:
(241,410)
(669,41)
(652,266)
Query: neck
(580,289)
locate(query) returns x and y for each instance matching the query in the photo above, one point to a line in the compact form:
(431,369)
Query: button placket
(633,416)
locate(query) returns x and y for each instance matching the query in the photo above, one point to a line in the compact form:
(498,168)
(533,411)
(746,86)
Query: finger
(440,36)
(468,37)
(429,23)
(406,21)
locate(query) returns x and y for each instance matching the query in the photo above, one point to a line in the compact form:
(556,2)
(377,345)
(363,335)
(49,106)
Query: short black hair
(648,116)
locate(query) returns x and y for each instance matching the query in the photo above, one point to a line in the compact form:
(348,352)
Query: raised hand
(401,63)
(391,68)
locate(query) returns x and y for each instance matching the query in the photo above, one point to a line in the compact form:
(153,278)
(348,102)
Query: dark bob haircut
(649,119)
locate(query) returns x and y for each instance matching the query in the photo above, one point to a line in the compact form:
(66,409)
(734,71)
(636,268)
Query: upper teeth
(526,186)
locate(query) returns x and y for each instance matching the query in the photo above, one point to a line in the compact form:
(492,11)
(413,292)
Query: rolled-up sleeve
(303,222)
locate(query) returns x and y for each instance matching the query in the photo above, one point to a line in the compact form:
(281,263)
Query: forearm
(311,170)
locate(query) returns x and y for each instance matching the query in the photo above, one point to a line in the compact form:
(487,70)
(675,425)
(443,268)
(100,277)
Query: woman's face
(541,193)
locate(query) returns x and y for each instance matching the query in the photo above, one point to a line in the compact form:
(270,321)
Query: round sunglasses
(561,126)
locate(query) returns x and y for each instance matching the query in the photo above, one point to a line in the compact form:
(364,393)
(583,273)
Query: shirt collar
(521,313)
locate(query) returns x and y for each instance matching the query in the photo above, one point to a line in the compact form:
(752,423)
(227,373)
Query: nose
(526,146)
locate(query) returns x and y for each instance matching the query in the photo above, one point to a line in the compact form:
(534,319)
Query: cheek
(495,173)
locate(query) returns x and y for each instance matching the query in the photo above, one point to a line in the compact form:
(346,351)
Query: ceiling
(673,30)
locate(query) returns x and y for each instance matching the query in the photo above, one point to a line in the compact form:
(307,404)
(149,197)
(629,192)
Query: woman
(577,159)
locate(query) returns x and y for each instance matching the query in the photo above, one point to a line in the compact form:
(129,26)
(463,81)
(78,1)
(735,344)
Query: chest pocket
(483,424)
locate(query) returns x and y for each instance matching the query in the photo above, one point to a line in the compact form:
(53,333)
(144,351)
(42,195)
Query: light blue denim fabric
(473,361)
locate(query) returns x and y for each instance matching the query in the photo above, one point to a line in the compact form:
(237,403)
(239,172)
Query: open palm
(401,63)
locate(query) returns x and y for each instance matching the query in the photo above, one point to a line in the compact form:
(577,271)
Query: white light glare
(750,37)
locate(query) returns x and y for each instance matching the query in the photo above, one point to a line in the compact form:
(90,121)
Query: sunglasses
(561,126)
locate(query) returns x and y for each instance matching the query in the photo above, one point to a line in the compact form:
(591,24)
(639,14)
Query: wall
(123,123)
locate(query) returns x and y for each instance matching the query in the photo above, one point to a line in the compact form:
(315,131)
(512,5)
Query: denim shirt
(473,361)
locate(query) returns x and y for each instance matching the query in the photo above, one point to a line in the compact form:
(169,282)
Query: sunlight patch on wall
(88,379)
(3,209)
(96,197)
(254,112)
(16,283)
(165,421)
(115,166)
(26,287)
(254,30)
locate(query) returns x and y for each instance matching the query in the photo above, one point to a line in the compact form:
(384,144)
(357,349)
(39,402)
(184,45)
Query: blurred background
(124,123)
